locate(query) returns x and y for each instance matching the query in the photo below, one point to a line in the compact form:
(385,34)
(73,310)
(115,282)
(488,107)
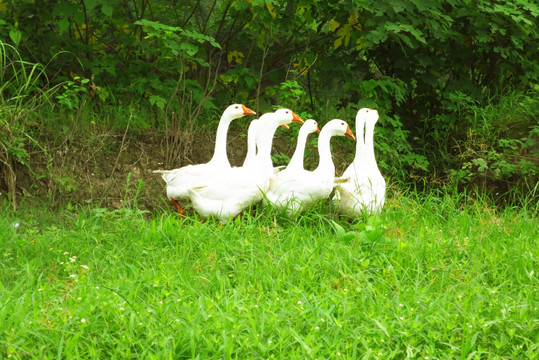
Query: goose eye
(237,107)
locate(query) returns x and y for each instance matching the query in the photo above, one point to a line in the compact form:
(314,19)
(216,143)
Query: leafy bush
(500,149)
(419,62)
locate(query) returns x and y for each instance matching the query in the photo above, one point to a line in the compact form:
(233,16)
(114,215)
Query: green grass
(434,277)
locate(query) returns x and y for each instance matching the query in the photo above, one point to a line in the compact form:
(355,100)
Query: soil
(110,169)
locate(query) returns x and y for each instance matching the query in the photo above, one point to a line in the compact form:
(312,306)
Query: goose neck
(299,153)
(369,142)
(219,154)
(324,151)
(360,140)
(265,142)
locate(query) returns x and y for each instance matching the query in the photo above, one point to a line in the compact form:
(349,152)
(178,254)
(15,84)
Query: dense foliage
(438,71)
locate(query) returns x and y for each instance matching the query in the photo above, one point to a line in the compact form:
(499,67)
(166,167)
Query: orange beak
(349,133)
(317,130)
(285,126)
(247,111)
(296,118)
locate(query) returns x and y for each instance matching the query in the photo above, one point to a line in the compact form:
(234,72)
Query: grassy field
(433,277)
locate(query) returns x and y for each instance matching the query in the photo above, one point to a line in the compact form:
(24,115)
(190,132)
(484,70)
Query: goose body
(238,188)
(364,186)
(178,181)
(296,190)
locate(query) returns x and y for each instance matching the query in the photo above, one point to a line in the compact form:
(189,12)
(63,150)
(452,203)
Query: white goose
(180,180)
(237,189)
(365,187)
(297,190)
(296,162)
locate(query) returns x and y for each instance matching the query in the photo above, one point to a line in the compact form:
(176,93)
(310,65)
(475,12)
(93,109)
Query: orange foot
(178,207)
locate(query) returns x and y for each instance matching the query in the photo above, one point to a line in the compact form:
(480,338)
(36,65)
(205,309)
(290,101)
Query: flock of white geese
(216,189)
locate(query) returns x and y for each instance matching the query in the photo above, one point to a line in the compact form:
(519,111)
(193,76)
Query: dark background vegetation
(129,85)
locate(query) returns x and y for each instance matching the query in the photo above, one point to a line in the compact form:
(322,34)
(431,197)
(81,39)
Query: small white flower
(79,298)
(121,309)
(322,319)
(72,276)
(401,305)
(277,299)
(39,289)
(149,310)
(338,354)
(66,253)
(317,328)
(83,321)
(84,267)
(270,342)
(97,287)
(16,225)
(299,302)
(401,318)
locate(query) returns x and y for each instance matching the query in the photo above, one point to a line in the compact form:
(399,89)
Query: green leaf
(90,4)
(157,101)
(107,10)
(339,230)
(63,24)
(15,35)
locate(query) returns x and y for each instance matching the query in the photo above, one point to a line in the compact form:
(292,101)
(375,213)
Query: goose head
(337,127)
(310,126)
(236,111)
(283,117)
(367,115)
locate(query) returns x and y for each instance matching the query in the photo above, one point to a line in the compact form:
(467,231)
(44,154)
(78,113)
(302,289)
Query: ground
(104,168)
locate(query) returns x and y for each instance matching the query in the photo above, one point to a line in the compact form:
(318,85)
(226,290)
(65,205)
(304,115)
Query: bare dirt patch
(112,169)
